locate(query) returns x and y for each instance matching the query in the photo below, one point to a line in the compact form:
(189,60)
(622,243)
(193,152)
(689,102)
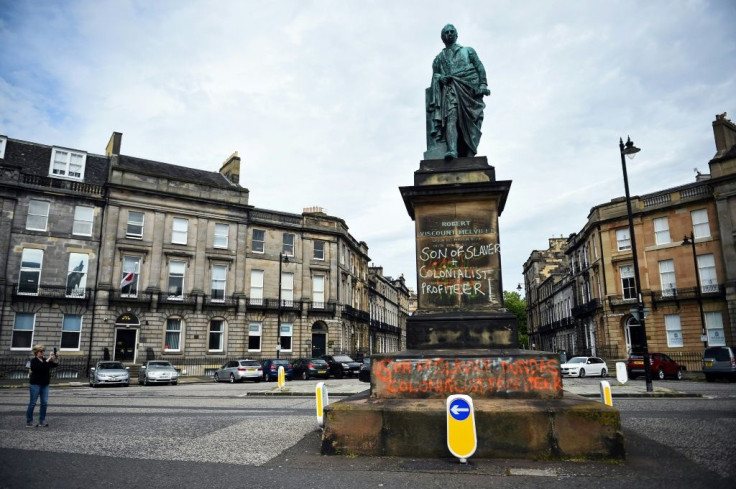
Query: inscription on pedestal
(458,256)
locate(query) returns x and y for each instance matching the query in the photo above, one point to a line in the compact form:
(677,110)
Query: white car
(109,373)
(582,366)
(158,372)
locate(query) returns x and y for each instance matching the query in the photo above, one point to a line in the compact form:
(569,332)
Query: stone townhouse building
(113,256)
(389,308)
(688,290)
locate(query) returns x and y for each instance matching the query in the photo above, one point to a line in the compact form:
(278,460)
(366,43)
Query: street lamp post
(283,258)
(630,150)
(690,240)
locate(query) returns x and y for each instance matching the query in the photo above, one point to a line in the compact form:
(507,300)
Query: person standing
(40,379)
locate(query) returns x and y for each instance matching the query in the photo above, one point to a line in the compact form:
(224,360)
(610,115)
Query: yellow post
(606,397)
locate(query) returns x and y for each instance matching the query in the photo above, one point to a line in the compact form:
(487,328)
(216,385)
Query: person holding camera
(40,379)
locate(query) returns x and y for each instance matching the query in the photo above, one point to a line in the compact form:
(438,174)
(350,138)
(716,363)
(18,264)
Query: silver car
(238,371)
(109,373)
(157,372)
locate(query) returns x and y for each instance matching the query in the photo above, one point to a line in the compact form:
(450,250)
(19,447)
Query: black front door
(637,337)
(125,344)
(319,341)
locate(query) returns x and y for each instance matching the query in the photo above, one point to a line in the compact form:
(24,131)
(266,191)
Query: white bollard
(322,401)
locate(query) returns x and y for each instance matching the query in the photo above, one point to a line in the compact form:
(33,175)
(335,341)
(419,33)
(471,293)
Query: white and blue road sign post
(461,435)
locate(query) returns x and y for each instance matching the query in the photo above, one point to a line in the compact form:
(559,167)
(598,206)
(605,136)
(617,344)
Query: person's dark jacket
(41,371)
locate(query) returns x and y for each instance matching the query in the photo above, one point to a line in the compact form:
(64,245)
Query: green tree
(517,305)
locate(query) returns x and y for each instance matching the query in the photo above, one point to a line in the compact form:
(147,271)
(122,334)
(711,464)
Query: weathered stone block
(568,428)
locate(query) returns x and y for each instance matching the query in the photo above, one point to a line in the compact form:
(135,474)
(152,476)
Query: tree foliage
(516,305)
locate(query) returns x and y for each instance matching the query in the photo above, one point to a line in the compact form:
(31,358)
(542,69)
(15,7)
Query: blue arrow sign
(459,409)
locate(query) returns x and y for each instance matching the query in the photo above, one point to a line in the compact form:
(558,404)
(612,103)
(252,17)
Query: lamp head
(628,149)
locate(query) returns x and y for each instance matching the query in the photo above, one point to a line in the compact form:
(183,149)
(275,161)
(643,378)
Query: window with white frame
(76,277)
(628,284)
(254,337)
(131,273)
(71,332)
(674,330)
(667,277)
(661,231)
(30,271)
(256,287)
(83,218)
(38,215)
(134,228)
(176,279)
(319,249)
(173,335)
(714,327)
(23,331)
(222,233)
(179,230)
(219,280)
(701,227)
(216,340)
(288,247)
(68,164)
(287,289)
(318,291)
(286,329)
(3,145)
(623,239)
(258,241)
(707,271)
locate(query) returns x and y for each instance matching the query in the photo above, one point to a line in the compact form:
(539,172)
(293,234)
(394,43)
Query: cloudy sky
(324,100)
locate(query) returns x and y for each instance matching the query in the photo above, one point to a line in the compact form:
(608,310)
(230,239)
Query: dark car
(271,368)
(719,361)
(342,365)
(660,364)
(365,370)
(306,368)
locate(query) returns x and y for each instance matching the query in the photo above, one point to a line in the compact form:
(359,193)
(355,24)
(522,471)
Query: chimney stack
(231,168)
(113,146)
(724,132)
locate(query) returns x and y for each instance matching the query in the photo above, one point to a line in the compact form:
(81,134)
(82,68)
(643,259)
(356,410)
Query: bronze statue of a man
(455,98)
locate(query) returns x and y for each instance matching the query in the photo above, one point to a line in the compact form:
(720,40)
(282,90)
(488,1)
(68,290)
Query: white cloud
(324,100)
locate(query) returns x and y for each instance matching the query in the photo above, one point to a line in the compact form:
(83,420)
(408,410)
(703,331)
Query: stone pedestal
(461,340)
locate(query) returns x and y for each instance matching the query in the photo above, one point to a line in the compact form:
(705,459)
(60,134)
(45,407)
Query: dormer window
(67,164)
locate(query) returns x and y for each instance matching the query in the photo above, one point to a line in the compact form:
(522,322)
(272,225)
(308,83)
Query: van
(719,361)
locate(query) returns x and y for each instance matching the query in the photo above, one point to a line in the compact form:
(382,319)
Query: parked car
(583,366)
(719,361)
(109,373)
(238,371)
(271,369)
(364,374)
(660,365)
(342,365)
(306,368)
(158,372)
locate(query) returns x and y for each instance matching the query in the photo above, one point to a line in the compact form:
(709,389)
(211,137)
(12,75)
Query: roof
(35,159)
(157,168)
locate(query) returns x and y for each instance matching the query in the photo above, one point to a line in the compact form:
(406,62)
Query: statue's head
(449,34)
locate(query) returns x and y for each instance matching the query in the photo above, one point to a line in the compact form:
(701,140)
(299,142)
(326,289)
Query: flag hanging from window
(128,279)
